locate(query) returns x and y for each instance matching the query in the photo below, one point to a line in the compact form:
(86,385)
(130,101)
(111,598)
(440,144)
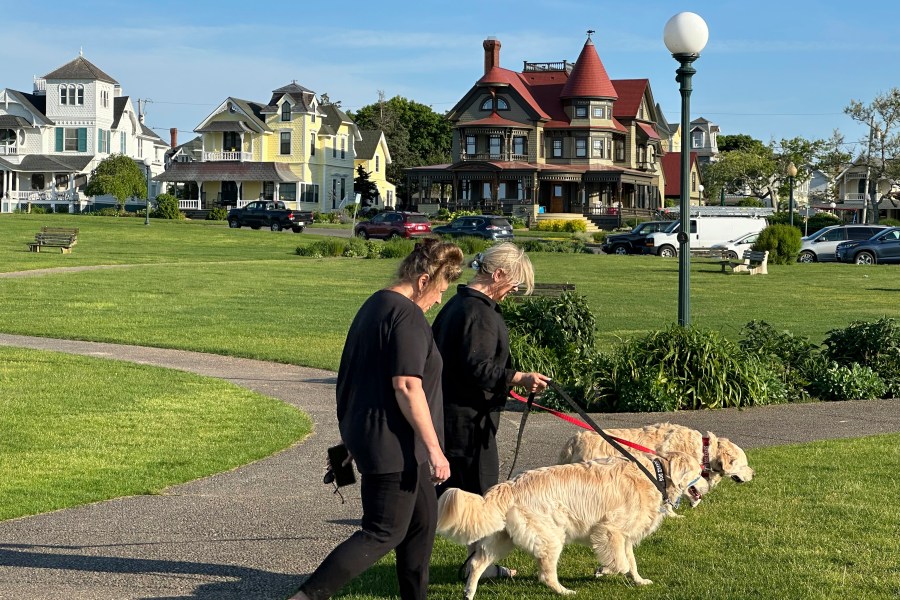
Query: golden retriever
(608,504)
(725,458)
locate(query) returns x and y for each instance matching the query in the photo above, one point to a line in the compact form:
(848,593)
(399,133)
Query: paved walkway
(254,532)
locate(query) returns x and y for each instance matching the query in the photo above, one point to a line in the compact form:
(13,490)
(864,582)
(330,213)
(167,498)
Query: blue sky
(771,69)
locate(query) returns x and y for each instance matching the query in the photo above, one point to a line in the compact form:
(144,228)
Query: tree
(416,135)
(833,159)
(365,187)
(119,176)
(882,144)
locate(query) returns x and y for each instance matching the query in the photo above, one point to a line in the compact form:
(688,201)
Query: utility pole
(866,198)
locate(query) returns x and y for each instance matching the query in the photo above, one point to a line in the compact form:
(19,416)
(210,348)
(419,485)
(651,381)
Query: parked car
(821,245)
(732,249)
(489,227)
(705,233)
(270,214)
(394,224)
(883,247)
(633,241)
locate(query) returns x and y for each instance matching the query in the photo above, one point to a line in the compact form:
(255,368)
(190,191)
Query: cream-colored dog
(608,504)
(723,458)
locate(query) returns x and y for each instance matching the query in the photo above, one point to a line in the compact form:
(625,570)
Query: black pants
(472,452)
(399,513)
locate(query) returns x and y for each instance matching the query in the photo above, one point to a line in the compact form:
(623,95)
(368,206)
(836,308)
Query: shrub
(516,222)
(840,382)
(554,336)
(327,217)
(752,202)
(599,236)
(38,210)
(889,222)
(870,344)
(323,248)
(684,368)
(167,208)
(575,226)
(821,220)
(567,225)
(796,359)
(470,244)
(356,247)
(566,246)
(103,212)
(782,242)
(397,248)
(219,213)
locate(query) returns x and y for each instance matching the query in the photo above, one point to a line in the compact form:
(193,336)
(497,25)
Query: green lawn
(79,430)
(246,293)
(805,527)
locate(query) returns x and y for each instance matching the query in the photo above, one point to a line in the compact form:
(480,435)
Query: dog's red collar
(705,473)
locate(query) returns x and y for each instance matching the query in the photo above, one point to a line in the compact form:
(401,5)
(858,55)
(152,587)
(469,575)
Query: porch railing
(189,204)
(8,150)
(855,197)
(220,156)
(42,196)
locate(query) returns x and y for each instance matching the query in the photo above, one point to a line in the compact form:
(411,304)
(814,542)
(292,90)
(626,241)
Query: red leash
(581,424)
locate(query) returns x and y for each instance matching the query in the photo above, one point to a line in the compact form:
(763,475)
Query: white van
(705,233)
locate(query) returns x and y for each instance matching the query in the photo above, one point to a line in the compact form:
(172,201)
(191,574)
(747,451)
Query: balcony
(8,150)
(226,156)
(502,156)
(855,198)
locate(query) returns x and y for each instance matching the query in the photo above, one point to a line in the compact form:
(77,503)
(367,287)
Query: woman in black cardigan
(474,344)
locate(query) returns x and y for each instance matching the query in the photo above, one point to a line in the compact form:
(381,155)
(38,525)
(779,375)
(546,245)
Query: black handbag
(340,470)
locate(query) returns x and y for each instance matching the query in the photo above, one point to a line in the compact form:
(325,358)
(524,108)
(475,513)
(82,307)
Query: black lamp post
(147,164)
(685,36)
(792,172)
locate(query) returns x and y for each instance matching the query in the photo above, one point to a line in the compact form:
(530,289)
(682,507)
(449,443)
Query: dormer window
(697,138)
(488,104)
(63,94)
(286,111)
(79,91)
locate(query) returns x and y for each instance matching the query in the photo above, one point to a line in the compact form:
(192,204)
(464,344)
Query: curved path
(254,532)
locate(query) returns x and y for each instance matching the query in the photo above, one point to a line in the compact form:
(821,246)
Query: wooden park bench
(55,237)
(543,290)
(753,262)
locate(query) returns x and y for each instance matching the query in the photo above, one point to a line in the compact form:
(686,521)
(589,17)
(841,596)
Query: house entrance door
(229,193)
(557,205)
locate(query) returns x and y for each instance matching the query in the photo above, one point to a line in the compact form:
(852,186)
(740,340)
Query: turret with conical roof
(588,78)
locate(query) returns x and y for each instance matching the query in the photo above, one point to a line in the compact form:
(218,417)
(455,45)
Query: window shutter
(60,132)
(82,139)
(99,140)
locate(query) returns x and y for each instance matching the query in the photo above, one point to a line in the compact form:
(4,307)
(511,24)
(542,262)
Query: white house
(52,138)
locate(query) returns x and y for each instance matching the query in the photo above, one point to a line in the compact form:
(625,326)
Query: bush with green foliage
(842,382)
(103,212)
(752,203)
(470,244)
(516,222)
(554,336)
(796,359)
(327,217)
(37,209)
(599,236)
(219,213)
(573,246)
(889,222)
(397,248)
(781,241)
(684,368)
(167,208)
(875,345)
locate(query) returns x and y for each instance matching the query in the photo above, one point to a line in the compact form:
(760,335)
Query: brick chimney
(173,133)
(491,54)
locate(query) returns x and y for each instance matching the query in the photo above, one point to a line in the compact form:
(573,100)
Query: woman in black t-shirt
(390,415)
(474,344)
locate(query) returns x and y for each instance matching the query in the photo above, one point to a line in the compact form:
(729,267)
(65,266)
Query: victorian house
(373,156)
(555,137)
(294,148)
(52,138)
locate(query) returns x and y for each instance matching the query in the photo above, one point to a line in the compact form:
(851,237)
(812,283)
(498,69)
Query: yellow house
(373,156)
(293,148)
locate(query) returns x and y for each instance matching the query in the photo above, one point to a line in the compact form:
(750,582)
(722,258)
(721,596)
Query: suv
(633,241)
(393,224)
(489,227)
(821,246)
(884,247)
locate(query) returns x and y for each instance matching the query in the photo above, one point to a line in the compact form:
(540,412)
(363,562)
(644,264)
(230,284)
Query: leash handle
(658,479)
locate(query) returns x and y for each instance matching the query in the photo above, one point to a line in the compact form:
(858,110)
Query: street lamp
(685,35)
(147,163)
(792,172)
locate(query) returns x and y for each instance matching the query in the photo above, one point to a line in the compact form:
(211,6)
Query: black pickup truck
(632,242)
(270,214)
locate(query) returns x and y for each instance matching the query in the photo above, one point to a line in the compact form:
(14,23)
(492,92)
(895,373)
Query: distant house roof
(366,147)
(13,121)
(631,92)
(36,105)
(588,78)
(46,163)
(671,165)
(299,95)
(147,132)
(80,68)
(119,105)
(227,171)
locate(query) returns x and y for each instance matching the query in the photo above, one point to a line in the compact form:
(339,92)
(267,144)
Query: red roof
(588,78)
(648,129)
(631,92)
(671,165)
(495,120)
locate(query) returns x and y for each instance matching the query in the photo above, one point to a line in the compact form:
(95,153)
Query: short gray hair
(512,259)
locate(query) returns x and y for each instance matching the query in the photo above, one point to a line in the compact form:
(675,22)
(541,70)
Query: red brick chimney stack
(491,54)
(173,132)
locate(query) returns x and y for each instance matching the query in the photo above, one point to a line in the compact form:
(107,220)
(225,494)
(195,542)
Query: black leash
(521,429)
(658,478)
